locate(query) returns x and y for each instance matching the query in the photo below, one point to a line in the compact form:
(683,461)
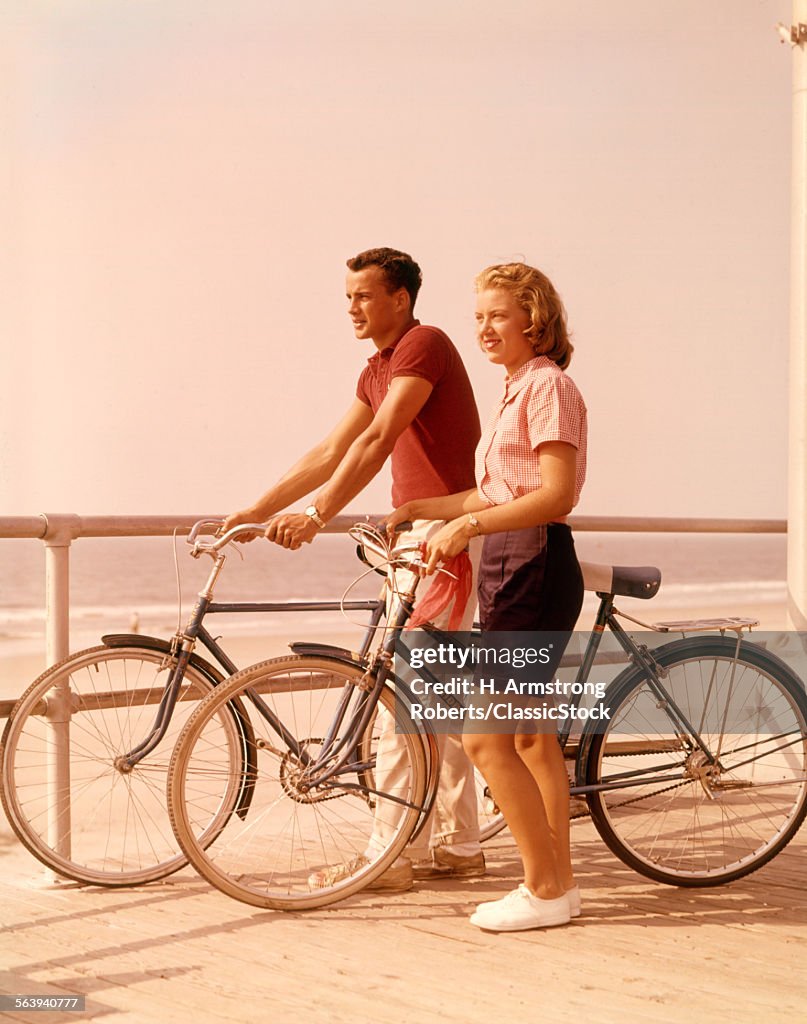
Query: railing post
(797,472)
(59,534)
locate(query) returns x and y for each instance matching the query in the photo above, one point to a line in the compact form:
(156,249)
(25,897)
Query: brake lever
(197,528)
(221,539)
(418,563)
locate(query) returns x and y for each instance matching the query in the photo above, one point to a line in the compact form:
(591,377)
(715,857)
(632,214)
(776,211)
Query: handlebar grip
(403,527)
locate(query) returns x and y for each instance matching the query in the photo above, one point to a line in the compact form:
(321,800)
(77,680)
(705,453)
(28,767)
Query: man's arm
(363,459)
(368,453)
(312,470)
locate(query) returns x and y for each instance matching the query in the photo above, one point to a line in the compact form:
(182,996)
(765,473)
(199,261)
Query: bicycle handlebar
(197,528)
(403,554)
(200,547)
(362,532)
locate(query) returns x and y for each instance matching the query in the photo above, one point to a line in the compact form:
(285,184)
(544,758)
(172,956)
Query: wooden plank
(643,953)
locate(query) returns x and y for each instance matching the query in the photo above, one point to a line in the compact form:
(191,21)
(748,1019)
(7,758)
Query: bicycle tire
(300,846)
(115,829)
(367,752)
(687,824)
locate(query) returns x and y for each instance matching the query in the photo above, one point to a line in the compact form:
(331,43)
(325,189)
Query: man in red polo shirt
(413,402)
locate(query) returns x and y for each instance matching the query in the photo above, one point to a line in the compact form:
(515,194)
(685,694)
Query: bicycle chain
(316,797)
(637,799)
(656,792)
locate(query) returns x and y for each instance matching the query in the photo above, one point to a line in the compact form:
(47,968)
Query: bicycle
(673,792)
(85,751)
(120,833)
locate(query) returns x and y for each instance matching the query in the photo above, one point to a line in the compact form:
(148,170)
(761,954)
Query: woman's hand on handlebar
(402,514)
(445,544)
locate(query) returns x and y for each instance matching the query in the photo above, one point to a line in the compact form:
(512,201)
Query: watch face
(312,513)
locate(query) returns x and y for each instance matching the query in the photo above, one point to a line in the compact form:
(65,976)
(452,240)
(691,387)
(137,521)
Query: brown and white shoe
(398,878)
(445,864)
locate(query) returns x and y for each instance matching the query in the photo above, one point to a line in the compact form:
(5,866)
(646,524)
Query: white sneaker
(520,910)
(572,895)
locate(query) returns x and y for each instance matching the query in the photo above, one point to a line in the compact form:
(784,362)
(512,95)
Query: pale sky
(185,179)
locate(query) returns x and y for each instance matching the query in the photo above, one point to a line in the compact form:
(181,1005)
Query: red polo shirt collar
(385,354)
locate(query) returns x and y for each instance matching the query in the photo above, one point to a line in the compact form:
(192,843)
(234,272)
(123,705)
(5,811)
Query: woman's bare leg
(543,757)
(516,792)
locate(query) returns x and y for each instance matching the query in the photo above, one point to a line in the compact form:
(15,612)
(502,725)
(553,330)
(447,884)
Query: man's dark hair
(400,270)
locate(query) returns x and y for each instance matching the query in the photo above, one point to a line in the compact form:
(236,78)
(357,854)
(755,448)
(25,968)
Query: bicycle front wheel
(315,831)
(65,793)
(673,815)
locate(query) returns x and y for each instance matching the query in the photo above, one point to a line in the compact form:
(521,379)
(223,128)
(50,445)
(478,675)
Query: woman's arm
(553,500)
(449,506)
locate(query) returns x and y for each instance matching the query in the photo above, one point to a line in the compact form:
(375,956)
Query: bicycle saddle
(622,580)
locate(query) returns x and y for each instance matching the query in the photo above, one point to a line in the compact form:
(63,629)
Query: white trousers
(453,820)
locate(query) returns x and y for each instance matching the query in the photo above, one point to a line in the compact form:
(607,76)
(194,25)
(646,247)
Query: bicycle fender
(215,678)
(304,647)
(154,643)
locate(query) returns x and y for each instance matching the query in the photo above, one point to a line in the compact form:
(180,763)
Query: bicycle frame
(338,756)
(640,656)
(687,735)
(184,642)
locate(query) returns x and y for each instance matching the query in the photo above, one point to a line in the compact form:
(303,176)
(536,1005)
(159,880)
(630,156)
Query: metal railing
(58,531)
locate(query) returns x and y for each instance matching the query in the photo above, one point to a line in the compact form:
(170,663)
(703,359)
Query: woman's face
(500,327)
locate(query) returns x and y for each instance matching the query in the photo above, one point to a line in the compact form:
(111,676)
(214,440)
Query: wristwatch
(474,523)
(312,513)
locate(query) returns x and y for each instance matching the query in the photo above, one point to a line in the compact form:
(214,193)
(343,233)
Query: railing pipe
(58,531)
(160,526)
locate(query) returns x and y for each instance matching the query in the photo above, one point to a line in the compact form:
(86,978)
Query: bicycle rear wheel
(676,818)
(109,826)
(304,843)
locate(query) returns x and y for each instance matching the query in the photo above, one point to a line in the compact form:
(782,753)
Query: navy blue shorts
(530,580)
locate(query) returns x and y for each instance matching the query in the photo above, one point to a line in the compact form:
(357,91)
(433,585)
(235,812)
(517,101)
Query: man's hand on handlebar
(238,519)
(291,530)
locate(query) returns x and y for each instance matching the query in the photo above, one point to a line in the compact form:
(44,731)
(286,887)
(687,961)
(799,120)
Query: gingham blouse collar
(515,383)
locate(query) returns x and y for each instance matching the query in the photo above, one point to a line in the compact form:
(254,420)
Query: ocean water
(118,583)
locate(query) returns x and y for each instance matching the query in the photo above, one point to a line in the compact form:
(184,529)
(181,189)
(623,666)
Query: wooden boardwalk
(179,951)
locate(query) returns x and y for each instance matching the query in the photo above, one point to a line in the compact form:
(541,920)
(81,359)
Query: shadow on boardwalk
(178,951)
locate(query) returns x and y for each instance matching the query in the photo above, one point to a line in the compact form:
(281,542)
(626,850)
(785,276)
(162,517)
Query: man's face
(374,310)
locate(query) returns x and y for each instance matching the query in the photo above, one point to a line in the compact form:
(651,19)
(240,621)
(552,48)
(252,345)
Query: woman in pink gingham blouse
(530,468)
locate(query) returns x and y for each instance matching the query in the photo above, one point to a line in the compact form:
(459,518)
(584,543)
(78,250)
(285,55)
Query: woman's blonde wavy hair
(535,293)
